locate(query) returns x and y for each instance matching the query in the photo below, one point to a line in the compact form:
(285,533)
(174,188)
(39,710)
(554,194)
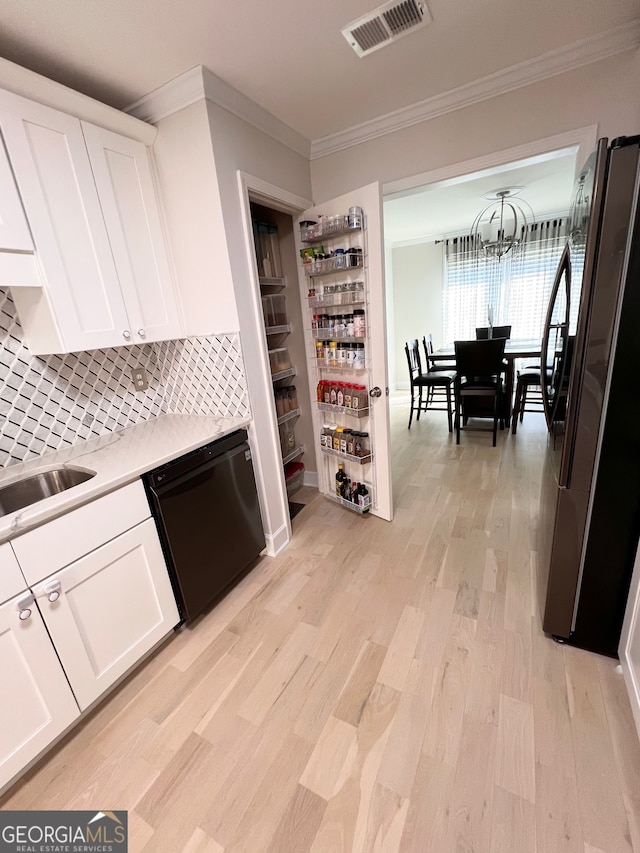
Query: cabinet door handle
(23,608)
(126,334)
(375,392)
(141,333)
(53,590)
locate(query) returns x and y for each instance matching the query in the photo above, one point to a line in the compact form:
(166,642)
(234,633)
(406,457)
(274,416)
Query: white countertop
(117,459)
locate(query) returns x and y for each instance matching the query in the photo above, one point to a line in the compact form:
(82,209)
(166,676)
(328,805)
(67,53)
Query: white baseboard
(310,479)
(276,542)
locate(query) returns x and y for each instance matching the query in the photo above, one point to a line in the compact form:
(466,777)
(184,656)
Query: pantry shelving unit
(277,328)
(337,281)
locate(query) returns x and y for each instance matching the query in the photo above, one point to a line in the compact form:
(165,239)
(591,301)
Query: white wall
(605,93)
(417,300)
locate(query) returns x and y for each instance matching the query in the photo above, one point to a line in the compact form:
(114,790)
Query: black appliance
(206,510)
(590,498)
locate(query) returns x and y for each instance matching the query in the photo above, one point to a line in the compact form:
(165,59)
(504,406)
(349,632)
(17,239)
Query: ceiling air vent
(385,24)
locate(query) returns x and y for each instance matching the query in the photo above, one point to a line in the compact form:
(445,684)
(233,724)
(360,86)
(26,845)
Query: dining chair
(528,397)
(482,332)
(430,380)
(479,374)
(434,364)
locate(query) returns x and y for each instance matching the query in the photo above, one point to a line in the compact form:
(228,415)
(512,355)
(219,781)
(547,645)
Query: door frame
(583,138)
(263,431)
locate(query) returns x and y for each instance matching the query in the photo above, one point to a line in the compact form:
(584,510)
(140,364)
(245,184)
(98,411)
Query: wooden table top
(513,349)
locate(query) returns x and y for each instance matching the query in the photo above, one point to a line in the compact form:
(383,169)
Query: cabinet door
(37,704)
(52,169)
(110,608)
(127,194)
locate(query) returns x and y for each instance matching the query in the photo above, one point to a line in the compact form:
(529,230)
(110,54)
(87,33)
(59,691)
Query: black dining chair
(482,332)
(528,397)
(479,375)
(431,380)
(434,364)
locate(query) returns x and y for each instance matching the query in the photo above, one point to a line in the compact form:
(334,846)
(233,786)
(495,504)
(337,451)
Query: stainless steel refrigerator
(590,498)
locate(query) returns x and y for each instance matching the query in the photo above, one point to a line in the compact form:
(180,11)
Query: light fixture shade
(503,225)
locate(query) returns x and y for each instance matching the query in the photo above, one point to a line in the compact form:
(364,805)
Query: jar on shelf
(358,356)
(320,350)
(337,437)
(361,443)
(359,324)
(342,354)
(340,394)
(350,325)
(358,397)
(333,353)
(350,442)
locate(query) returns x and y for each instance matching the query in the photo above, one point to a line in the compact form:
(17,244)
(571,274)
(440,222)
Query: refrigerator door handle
(550,405)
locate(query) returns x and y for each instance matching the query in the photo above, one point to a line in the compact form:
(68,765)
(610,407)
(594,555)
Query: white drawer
(11,579)
(57,543)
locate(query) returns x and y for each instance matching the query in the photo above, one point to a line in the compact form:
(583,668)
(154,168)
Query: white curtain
(517,288)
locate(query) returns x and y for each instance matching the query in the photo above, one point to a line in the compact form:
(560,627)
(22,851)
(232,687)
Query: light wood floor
(378,687)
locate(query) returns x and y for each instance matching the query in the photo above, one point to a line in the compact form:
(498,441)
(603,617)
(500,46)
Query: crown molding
(199,83)
(559,61)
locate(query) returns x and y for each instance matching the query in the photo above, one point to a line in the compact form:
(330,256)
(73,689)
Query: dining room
(469,258)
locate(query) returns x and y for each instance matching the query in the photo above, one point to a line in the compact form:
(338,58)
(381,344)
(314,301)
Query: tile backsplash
(47,402)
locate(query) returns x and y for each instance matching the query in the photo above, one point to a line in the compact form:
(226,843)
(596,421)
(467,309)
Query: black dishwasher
(206,509)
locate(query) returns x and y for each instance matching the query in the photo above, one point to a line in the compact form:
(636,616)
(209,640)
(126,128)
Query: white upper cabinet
(94,218)
(127,195)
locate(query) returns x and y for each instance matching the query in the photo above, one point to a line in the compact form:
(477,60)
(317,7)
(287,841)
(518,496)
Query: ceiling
(450,207)
(289,56)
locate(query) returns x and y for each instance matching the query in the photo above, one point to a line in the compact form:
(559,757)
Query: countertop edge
(118,459)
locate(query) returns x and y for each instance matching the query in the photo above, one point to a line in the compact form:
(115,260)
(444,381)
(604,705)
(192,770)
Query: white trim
(199,82)
(175,95)
(583,137)
(264,428)
(559,61)
(265,193)
(276,542)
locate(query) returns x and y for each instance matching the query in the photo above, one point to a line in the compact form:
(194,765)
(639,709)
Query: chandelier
(502,226)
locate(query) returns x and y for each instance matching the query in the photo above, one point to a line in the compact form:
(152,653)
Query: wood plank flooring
(377,687)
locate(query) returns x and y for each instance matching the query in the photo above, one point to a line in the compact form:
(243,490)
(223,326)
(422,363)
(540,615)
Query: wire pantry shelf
(359,460)
(333,300)
(361,510)
(330,226)
(344,410)
(343,263)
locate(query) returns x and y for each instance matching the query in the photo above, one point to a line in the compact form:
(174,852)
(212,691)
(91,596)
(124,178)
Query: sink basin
(37,487)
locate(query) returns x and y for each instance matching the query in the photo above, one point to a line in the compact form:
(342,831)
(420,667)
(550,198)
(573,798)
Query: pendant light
(502,226)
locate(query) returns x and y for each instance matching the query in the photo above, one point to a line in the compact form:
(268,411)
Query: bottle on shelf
(341,480)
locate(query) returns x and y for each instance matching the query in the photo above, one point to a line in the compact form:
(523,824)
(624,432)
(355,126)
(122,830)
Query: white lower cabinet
(37,703)
(98,599)
(106,610)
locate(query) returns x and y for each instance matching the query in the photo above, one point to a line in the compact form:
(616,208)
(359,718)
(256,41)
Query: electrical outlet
(139,376)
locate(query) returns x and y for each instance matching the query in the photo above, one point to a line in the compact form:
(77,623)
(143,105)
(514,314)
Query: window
(517,289)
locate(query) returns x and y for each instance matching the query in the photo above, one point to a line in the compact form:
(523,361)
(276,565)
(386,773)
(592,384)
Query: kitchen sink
(37,487)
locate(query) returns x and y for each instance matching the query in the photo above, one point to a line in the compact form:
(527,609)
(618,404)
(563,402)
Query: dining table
(513,349)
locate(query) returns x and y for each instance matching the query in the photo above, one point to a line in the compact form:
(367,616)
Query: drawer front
(57,543)
(11,580)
